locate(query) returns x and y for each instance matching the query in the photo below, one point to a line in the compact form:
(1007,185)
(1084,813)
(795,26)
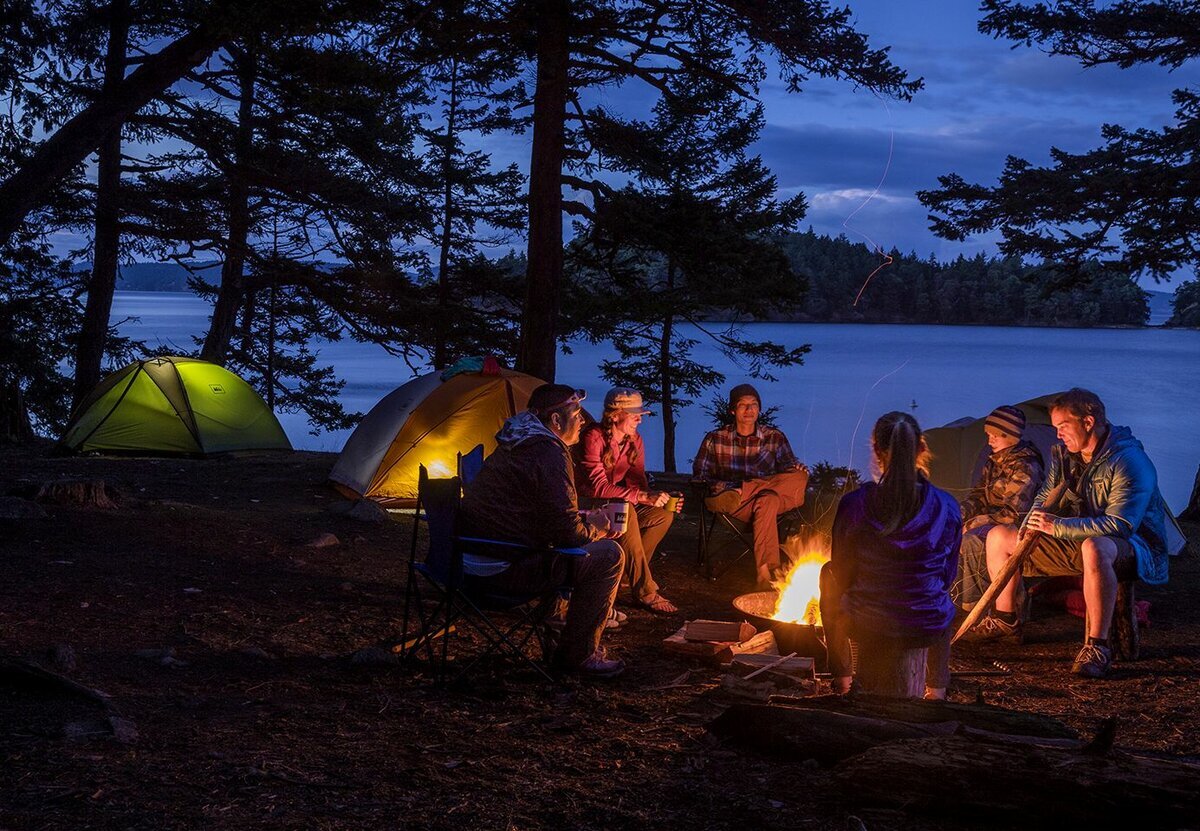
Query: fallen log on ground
(981,780)
(916,711)
(824,736)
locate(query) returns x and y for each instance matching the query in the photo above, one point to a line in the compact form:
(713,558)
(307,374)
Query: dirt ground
(224,642)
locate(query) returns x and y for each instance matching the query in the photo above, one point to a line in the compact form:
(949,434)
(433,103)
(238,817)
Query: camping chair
(723,533)
(708,541)
(469,464)
(454,572)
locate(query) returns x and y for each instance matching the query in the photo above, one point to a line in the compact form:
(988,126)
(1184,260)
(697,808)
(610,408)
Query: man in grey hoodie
(525,492)
(1111,516)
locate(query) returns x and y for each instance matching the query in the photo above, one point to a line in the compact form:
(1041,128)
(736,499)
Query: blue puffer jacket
(898,585)
(1117,496)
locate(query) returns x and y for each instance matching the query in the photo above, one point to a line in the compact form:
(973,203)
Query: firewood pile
(753,667)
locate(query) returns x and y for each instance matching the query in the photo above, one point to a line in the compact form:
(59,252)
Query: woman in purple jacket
(893,560)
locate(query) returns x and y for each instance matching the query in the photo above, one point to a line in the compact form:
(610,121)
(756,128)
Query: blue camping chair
(448,589)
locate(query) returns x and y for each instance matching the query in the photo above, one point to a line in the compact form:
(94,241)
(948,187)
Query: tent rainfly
(174,406)
(429,421)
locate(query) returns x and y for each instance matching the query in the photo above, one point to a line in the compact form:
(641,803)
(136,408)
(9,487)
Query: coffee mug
(674,504)
(618,516)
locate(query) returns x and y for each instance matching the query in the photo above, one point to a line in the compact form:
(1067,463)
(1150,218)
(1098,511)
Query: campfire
(792,609)
(800,592)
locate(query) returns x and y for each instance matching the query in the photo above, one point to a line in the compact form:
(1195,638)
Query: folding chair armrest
(571,552)
(520,549)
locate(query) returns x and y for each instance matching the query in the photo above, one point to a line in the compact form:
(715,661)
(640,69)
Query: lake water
(1149,379)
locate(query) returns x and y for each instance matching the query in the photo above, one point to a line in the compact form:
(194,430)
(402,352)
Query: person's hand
(1041,521)
(600,520)
(655,499)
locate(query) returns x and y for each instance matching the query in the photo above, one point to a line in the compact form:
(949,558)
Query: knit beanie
(740,391)
(1006,419)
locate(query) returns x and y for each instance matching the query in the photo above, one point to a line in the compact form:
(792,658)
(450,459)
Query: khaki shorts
(1054,557)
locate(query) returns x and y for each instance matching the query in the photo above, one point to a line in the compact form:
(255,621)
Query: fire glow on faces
(999,440)
(1075,432)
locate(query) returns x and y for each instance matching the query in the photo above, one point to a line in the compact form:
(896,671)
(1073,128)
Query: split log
(969,778)
(814,734)
(718,630)
(915,711)
(86,493)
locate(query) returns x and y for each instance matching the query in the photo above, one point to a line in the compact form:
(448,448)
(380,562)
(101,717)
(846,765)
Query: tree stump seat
(890,669)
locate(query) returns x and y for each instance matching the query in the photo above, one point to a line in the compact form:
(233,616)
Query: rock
(368,510)
(155,654)
(255,652)
(87,729)
(62,656)
(87,493)
(326,540)
(374,656)
(123,729)
(14,507)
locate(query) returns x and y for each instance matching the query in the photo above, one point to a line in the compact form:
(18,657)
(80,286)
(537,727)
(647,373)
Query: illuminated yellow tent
(429,421)
(172,405)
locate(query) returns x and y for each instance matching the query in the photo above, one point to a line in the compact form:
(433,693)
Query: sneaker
(1093,661)
(725,502)
(599,666)
(992,629)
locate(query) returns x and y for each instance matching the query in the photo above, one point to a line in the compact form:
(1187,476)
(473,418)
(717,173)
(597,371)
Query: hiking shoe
(1093,661)
(725,502)
(993,629)
(599,666)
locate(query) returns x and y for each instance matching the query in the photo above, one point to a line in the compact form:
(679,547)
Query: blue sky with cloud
(983,100)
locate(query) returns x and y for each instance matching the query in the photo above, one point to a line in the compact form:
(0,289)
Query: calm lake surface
(1149,379)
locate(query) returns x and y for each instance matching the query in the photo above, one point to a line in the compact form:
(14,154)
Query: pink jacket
(623,481)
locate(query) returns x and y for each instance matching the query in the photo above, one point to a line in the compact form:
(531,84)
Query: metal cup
(674,504)
(618,516)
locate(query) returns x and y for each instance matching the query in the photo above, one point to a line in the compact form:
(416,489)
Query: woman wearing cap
(610,463)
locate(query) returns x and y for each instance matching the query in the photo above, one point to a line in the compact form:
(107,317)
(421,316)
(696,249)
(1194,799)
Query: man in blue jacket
(1109,517)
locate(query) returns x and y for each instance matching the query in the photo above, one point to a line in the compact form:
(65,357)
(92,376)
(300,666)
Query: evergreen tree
(1131,204)
(695,238)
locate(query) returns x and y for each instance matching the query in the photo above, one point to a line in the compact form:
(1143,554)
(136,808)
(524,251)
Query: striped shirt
(724,456)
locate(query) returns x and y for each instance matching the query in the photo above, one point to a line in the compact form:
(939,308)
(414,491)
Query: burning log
(989,780)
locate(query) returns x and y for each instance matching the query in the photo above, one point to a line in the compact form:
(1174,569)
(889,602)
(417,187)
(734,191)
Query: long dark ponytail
(902,455)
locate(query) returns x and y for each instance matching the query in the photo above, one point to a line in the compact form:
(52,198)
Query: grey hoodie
(525,491)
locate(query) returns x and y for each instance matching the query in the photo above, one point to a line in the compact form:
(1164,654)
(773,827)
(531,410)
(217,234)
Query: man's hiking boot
(1093,661)
(993,629)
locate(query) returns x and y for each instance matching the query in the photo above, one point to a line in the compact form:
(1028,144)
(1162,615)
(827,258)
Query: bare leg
(1099,584)
(1001,543)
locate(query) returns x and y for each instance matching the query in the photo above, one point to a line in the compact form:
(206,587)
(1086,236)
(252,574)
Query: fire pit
(806,639)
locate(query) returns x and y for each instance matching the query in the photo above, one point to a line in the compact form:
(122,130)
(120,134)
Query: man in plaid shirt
(752,475)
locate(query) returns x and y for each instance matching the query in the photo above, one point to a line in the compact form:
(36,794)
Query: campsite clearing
(223,643)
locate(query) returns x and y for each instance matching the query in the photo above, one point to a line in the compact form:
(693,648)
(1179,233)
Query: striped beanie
(1006,419)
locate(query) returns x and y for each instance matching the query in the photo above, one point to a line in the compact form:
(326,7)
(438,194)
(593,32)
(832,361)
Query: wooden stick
(771,665)
(1010,568)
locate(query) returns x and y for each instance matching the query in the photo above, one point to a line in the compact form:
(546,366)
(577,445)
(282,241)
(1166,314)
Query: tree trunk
(14,415)
(1192,512)
(667,380)
(545,267)
(56,156)
(233,283)
(999,781)
(440,357)
(106,249)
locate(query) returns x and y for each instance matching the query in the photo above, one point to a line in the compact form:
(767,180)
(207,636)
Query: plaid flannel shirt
(724,456)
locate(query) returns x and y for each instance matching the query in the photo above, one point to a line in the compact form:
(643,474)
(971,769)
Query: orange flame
(800,592)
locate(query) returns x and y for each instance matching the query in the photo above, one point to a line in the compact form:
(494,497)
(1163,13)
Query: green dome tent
(174,405)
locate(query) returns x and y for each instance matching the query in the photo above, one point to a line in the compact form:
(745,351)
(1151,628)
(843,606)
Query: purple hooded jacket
(897,586)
